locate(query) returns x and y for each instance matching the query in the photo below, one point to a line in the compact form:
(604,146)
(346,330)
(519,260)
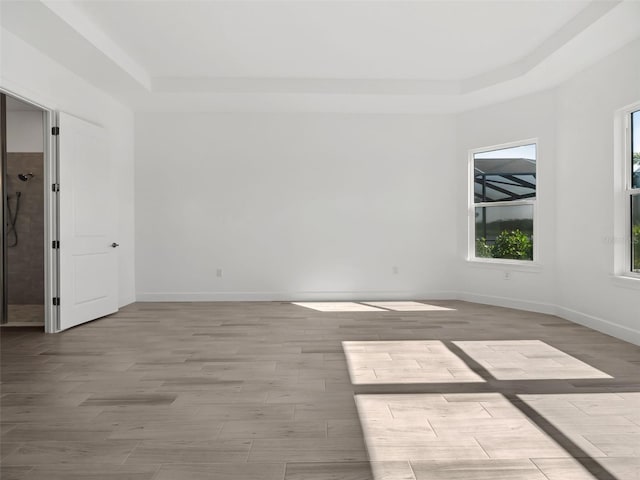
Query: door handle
(114,244)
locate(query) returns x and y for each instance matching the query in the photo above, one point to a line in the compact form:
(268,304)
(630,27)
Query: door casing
(51,213)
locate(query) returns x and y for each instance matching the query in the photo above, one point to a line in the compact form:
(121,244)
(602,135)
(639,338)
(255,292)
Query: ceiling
(323,55)
(328,40)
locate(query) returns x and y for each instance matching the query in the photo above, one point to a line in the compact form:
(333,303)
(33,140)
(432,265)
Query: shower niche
(24,215)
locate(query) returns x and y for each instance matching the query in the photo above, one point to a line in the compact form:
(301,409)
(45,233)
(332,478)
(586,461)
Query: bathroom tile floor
(276,391)
(25,315)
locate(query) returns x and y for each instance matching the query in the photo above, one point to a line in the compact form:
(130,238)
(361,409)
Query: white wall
(587,290)
(324,206)
(574,124)
(25,131)
(28,73)
(522,119)
(293,206)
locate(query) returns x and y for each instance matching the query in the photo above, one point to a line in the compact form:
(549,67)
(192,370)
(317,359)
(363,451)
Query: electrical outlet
(507,275)
(395,270)
(219,272)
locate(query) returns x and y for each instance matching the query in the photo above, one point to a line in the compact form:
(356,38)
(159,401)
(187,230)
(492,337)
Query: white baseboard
(627,334)
(619,331)
(507,302)
(361,295)
(600,324)
(123,302)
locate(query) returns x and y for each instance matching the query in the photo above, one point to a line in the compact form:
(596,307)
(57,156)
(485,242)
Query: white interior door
(88,214)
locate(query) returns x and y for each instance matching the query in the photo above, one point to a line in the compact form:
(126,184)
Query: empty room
(320,240)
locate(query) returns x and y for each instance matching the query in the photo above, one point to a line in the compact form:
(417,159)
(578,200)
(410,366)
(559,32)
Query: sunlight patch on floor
(338,307)
(450,427)
(527,360)
(373,307)
(603,424)
(483,435)
(410,307)
(489,435)
(405,361)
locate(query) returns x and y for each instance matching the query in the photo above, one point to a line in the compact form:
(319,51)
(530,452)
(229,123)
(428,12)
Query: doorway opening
(27,260)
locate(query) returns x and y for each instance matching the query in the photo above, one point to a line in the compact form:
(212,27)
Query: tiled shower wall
(25,262)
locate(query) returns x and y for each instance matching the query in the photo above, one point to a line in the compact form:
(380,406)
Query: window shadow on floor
(520,406)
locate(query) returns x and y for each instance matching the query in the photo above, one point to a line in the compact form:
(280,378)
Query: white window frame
(623,193)
(471,227)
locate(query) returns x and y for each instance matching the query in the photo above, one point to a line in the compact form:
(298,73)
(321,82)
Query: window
(626,237)
(504,202)
(633,189)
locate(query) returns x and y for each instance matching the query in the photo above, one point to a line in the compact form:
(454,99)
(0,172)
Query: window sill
(624,281)
(514,265)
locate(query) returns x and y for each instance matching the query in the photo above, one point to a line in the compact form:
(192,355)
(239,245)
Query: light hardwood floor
(276,391)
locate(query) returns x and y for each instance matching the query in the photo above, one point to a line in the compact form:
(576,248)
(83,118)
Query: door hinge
(56,301)
(55,187)
(55,130)
(55,244)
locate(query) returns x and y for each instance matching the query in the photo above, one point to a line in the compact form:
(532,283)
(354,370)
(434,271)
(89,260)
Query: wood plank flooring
(277,391)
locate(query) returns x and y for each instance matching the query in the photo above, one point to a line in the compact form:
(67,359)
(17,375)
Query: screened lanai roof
(504,179)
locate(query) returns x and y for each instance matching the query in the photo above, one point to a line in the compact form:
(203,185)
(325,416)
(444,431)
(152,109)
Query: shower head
(25,177)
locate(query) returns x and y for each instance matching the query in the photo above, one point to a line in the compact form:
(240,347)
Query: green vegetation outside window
(504,188)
